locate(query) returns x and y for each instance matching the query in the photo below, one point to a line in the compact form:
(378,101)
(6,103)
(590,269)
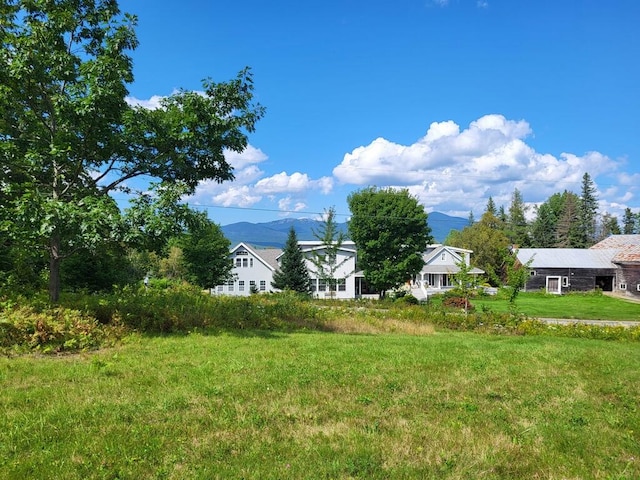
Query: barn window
(533,273)
(623,286)
(565,281)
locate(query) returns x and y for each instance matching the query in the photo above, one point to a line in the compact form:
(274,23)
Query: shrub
(458,302)
(407,299)
(51,330)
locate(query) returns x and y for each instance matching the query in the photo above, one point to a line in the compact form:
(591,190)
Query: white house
(441,263)
(344,269)
(253,270)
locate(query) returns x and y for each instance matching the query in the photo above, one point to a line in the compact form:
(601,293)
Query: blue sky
(456,100)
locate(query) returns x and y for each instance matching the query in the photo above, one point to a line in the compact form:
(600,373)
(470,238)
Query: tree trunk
(54,269)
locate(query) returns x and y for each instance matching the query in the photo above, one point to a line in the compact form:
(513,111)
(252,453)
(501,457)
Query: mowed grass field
(307,405)
(570,306)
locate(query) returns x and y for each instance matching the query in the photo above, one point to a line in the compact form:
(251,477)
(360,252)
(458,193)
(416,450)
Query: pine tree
(325,259)
(491,207)
(292,274)
(587,213)
(628,222)
(517,222)
(568,230)
(543,229)
(608,226)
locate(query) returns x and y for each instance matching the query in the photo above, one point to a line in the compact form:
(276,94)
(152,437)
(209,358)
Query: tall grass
(84,322)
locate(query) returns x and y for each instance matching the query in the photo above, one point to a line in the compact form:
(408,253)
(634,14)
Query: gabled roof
(626,246)
(618,241)
(268,256)
(434,251)
(630,254)
(567,257)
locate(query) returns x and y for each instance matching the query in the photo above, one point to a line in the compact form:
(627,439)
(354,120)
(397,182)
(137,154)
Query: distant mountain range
(274,234)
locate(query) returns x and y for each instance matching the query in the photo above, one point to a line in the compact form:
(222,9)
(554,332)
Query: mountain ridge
(274,233)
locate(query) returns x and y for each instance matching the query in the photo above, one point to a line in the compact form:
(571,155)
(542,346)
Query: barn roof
(567,257)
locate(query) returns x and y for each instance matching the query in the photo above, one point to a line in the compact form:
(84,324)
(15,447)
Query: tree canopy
(68,137)
(390,230)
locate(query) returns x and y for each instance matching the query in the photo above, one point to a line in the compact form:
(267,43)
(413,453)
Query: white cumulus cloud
(455,170)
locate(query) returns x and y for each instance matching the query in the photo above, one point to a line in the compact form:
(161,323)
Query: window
(230,285)
(238,262)
(638,287)
(220,288)
(565,281)
(322,285)
(245,262)
(252,285)
(241,286)
(342,285)
(251,262)
(533,273)
(443,256)
(263,285)
(623,286)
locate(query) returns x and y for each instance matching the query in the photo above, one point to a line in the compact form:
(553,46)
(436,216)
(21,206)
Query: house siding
(249,269)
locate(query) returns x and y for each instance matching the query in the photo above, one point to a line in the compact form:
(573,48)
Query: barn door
(553,285)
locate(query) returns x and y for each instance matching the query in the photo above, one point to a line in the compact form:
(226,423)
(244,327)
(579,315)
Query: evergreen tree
(568,230)
(502,215)
(292,274)
(543,228)
(471,220)
(517,222)
(608,226)
(325,259)
(628,222)
(491,207)
(587,213)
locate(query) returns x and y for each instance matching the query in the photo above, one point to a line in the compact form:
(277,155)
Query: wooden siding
(579,279)
(630,275)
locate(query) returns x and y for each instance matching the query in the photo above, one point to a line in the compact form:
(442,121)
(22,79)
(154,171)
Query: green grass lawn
(265,405)
(578,306)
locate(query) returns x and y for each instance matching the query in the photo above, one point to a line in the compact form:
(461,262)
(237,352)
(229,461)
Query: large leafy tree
(205,253)
(68,138)
(488,242)
(390,230)
(292,274)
